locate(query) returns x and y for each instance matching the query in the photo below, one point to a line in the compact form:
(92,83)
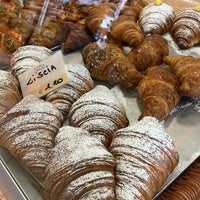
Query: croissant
(159,92)
(107,63)
(80,167)
(99,112)
(52,33)
(10,92)
(186,28)
(100,17)
(187,70)
(126,29)
(28,130)
(185,186)
(156,18)
(26,57)
(145,156)
(79,83)
(78,37)
(149,53)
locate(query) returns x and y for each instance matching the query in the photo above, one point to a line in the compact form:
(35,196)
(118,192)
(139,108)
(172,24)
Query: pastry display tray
(182,125)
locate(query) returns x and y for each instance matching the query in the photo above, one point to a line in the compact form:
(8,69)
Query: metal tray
(182,125)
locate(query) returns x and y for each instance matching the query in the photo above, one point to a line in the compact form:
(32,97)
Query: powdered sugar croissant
(10,92)
(28,131)
(186,28)
(80,167)
(187,70)
(156,18)
(99,112)
(79,83)
(145,156)
(159,92)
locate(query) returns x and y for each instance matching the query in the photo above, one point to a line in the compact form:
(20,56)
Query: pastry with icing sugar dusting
(79,83)
(80,167)
(99,112)
(156,18)
(28,131)
(186,28)
(145,156)
(10,92)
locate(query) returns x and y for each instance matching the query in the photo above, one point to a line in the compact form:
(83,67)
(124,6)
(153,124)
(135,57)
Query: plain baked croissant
(100,17)
(145,156)
(125,28)
(28,130)
(10,92)
(78,37)
(79,83)
(149,53)
(106,62)
(159,92)
(156,18)
(187,70)
(80,167)
(186,28)
(99,112)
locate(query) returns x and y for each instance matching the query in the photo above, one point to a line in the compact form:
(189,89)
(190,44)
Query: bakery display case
(35,129)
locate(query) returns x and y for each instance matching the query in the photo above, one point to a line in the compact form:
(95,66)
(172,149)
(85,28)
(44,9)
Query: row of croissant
(74,24)
(98,155)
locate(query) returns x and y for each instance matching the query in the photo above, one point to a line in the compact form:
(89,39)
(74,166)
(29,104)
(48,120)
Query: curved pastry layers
(78,37)
(149,53)
(26,57)
(80,167)
(187,70)
(28,131)
(107,63)
(186,28)
(156,19)
(126,29)
(145,156)
(159,92)
(100,17)
(79,83)
(10,93)
(99,112)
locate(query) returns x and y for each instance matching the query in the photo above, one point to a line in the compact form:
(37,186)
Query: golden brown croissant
(186,186)
(159,92)
(99,112)
(126,29)
(80,167)
(99,19)
(187,70)
(186,28)
(10,92)
(78,37)
(28,131)
(149,53)
(79,83)
(107,63)
(52,33)
(156,18)
(145,156)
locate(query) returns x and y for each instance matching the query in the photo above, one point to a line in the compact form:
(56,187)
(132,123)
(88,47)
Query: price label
(45,77)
